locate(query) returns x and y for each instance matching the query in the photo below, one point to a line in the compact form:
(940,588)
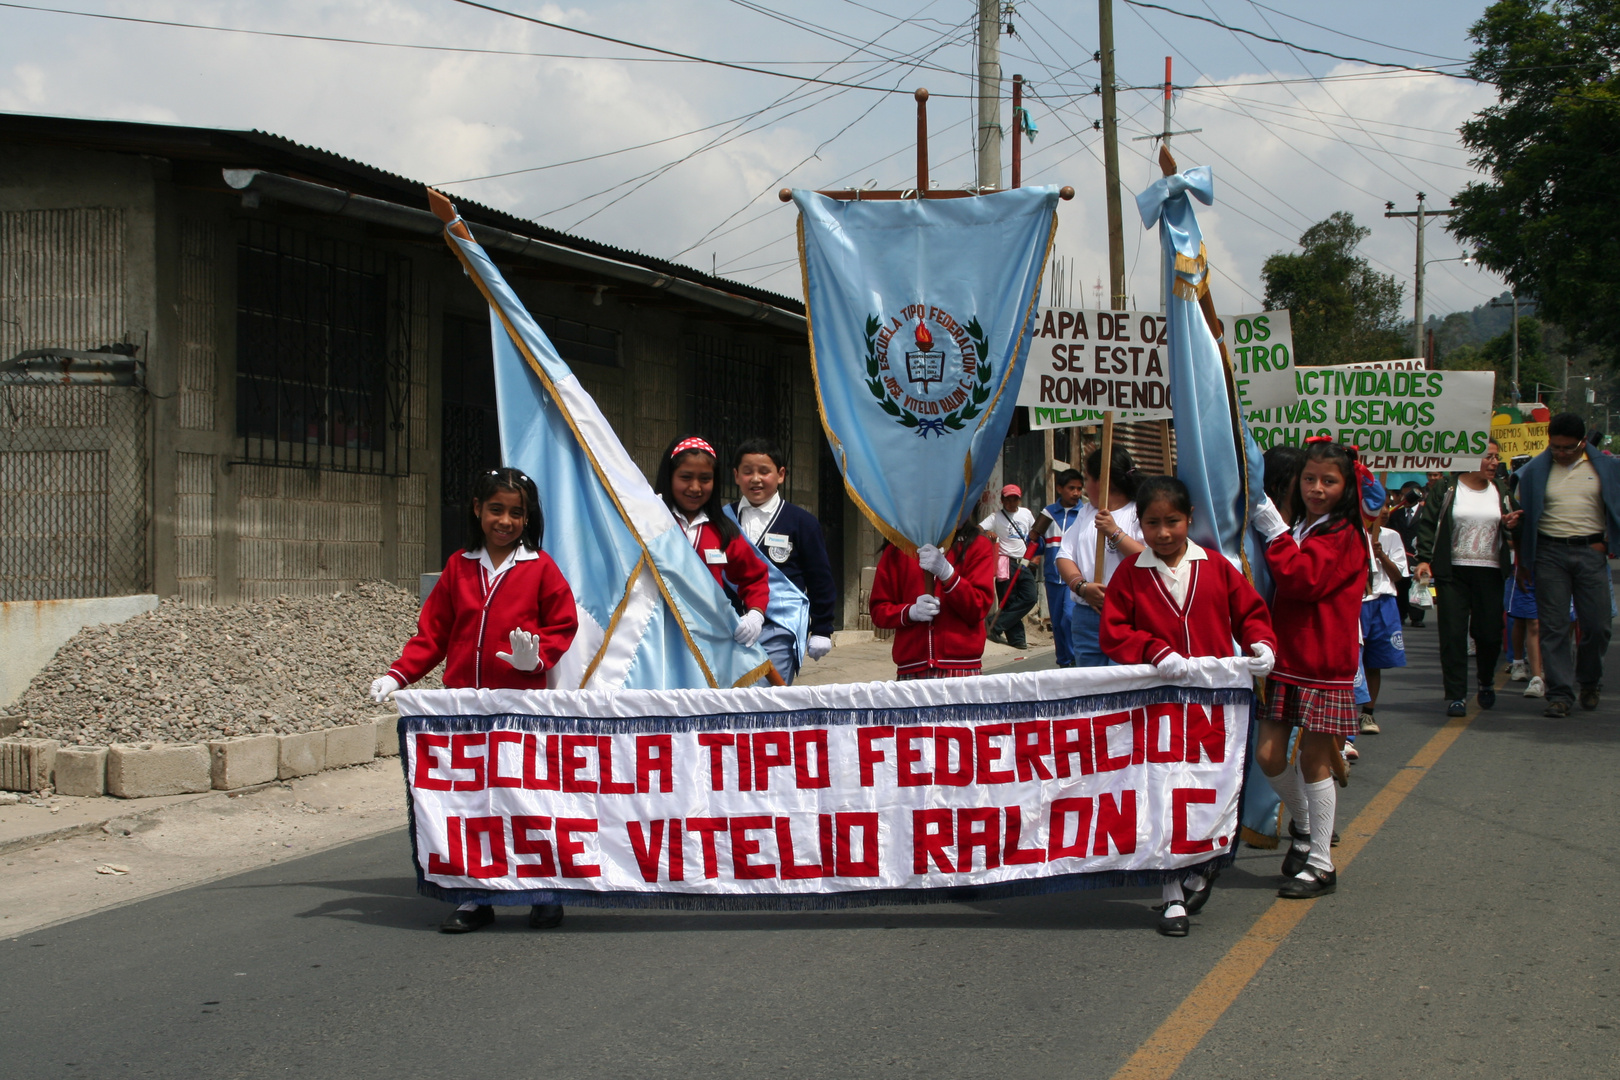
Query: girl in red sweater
(1320,569)
(939,628)
(686,482)
(501,588)
(1174,601)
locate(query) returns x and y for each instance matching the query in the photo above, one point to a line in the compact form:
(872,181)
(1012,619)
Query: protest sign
(1262,350)
(1520,431)
(830,796)
(1403,416)
(1084,362)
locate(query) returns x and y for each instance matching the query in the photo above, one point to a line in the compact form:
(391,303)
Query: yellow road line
(1184,1029)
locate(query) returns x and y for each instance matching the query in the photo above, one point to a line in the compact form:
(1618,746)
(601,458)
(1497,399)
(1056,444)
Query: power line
(1353,37)
(1291,45)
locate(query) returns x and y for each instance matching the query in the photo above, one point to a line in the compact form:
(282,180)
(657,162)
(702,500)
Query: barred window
(732,392)
(322,333)
(581,343)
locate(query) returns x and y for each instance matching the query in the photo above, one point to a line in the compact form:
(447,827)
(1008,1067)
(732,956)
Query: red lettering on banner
(772,750)
(648,850)
(1032,741)
(604,756)
(524,844)
(1099,735)
(1180,799)
(962,739)
(426,762)
(986,755)
(498,739)
(810,747)
(1010,851)
(568,849)
(795,871)
(459,745)
(1116,822)
(648,762)
(868,755)
(1072,738)
(848,823)
(931,838)
(573,763)
(745,762)
(1162,718)
(706,827)
(978,827)
(452,866)
(742,847)
(906,755)
(677,851)
(1206,732)
(494,828)
(1061,809)
(716,741)
(1138,736)
(532,780)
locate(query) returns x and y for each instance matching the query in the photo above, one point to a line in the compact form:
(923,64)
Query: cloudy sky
(683,159)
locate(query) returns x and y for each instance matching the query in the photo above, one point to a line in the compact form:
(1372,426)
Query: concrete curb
(143,770)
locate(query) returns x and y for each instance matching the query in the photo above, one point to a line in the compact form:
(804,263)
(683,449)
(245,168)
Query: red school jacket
(736,564)
(1141,623)
(1317,606)
(955,639)
(465,626)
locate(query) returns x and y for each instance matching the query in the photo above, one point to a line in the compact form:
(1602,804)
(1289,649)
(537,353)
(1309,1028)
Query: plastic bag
(1420,595)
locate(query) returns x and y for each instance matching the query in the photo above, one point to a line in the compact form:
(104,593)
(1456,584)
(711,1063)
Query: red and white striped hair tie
(693,444)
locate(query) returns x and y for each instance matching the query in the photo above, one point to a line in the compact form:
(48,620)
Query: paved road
(1474,936)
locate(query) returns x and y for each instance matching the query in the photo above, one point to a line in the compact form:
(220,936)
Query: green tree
(1343,311)
(1535,365)
(1546,219)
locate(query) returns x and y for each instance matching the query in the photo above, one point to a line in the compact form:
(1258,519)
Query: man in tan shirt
(1571,500)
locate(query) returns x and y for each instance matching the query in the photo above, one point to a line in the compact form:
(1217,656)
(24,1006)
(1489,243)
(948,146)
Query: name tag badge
(778,546)
(715,557)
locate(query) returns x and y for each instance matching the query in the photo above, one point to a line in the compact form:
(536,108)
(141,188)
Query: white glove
(748,627)
(381,688)
(1267,521)
(933,561)
(819,646)
(525,654)
(1264,660)
(924,609)
(1174,668)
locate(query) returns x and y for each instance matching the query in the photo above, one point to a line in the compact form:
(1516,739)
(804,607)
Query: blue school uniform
(1059,600)
(793,544)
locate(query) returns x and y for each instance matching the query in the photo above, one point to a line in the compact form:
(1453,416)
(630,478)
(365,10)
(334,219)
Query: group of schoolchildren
(501,614)
(1160,599)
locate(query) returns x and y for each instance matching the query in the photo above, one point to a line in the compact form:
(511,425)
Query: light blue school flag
(1216,457)
(651,616)
(920,314)
(788,606)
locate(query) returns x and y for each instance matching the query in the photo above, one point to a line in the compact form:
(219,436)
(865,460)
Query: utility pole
(1110,127)
(1164,137)
(989,95)
(1422,214)
(1514,304)
(1018,134)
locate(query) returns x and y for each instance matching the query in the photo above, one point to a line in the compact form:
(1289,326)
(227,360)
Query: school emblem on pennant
(932,384)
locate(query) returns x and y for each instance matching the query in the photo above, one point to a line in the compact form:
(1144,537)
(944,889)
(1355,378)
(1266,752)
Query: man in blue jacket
(1571,500)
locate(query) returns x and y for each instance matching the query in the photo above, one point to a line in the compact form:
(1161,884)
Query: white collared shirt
(756,519)
(1178,577)
(491,572)
(692,528)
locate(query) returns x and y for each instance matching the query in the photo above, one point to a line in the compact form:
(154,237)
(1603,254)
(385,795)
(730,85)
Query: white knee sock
(1323,797)
(1290,788)
(1193,883)
(471,905)
(1173,893)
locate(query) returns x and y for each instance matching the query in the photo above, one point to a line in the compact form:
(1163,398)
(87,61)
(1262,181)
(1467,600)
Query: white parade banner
(825,796)
(1403,416)
(1083,363)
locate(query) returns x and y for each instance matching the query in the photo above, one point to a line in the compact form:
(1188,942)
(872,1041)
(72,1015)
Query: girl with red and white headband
(686,482)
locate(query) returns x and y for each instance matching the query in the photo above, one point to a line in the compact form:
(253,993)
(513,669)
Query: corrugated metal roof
(264,150)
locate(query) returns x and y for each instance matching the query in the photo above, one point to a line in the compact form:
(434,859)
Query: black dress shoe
(1174,925)
(465,922)
(1294,861)
(1309,884)
(1196,899)
(545,916)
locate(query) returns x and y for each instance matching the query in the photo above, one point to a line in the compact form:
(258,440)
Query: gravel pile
(186,674)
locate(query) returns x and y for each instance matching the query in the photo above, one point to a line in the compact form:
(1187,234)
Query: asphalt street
(1472,937)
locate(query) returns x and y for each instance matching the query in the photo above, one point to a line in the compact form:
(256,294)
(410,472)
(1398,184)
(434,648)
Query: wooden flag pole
(1104,471)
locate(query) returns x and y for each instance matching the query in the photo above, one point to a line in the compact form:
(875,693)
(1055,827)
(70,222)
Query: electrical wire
(1353,37)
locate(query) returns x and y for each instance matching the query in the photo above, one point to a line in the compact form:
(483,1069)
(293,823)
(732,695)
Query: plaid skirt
(936,673)
(1331,712)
